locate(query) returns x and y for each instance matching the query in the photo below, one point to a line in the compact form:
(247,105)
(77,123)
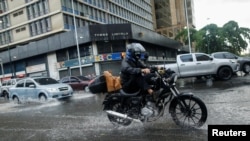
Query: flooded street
(82,118)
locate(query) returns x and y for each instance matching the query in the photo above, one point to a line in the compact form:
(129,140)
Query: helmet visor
(138,55)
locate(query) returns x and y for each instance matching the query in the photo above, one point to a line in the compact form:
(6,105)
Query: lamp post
(207,34)
(1,60)
(186,13)
(11,67)
(76,38)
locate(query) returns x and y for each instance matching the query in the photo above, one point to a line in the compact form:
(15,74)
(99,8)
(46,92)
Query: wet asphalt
(82,118)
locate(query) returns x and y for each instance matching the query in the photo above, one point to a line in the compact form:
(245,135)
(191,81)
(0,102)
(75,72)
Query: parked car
(6,84)
(243,61)
(41,88)
(76,82)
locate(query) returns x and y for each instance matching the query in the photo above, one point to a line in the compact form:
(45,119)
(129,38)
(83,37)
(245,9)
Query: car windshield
(46,81)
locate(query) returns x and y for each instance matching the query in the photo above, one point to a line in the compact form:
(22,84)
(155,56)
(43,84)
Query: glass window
(9,82)
(65,80)
(61,55)
(219,55)
(20,83)
(4,83)
(45,81)
(72,53)
(202,57)
(28,83)
(73,79)
(186,58)
(230,56)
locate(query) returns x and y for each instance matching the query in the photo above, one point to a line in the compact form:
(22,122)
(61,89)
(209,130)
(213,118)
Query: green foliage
(212,38)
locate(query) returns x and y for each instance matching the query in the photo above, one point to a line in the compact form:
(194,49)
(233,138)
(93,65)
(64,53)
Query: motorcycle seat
(122,92)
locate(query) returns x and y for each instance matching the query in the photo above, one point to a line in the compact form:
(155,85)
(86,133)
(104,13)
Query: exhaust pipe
(124,116)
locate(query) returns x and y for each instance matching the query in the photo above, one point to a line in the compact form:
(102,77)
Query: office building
(171,18)
(47,37)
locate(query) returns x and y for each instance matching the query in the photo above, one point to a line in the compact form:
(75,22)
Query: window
(202,57)
(40,26)
(28,83)
(20,83)
(65,80)
(9,82)
(17,13)
(186,58)
(219,55)
(20,29)
(72,53)
(61,55)
(4,83)
(73,79)
(37,9)
(230,56)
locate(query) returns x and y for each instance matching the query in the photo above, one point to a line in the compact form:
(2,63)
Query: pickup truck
(201,64)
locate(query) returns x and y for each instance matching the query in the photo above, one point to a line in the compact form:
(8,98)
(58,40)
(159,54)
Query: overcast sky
(221,11)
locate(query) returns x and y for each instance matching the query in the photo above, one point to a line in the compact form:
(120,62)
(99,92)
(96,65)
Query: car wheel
(86,89)
(246,68)
(16,100)
(6,95)
(42,98)
(225,73)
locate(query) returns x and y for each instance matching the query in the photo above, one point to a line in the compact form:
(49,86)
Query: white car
(6,84)
(201,64)
(40,88)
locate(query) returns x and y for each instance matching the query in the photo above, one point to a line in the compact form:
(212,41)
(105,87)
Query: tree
(235,37)
(211,38)
(208,39)
(183,35)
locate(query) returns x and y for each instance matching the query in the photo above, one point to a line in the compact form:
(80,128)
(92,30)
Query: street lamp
(76,38)
(11,67)
(1,60)
(186,13)
(207,34)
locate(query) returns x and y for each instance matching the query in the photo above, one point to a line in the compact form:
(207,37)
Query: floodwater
(82,118)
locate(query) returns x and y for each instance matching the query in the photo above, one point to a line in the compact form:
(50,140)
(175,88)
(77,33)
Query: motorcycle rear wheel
(192,116)
(116,106)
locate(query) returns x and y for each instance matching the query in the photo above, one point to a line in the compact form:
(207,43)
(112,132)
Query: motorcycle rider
(132,69)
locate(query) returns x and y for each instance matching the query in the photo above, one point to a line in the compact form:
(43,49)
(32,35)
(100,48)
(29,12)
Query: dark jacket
(130,71)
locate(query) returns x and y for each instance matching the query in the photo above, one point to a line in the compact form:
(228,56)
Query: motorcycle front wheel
(188,111)
(117,107)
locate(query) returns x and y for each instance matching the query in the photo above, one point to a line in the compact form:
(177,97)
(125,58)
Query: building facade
(101,48)
(171,17)
(26,20)
(37,37)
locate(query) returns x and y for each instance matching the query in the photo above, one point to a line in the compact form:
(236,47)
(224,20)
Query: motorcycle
(186,109)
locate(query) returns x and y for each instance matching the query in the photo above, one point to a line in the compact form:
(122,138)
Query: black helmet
(134,51)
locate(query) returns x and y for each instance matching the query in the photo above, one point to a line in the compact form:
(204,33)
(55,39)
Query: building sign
(108,57)
(36,68)
(75,62)
(110,32)
(71,63)
(91,59)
